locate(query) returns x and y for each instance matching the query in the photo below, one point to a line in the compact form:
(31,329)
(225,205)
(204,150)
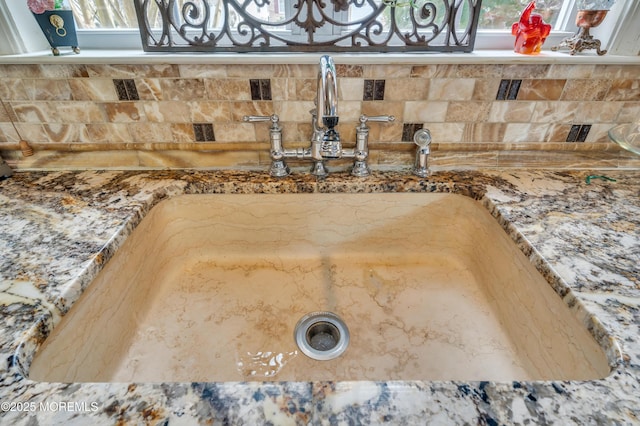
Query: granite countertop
(59,228)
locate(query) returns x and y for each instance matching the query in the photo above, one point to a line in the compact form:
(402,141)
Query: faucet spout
(327,96)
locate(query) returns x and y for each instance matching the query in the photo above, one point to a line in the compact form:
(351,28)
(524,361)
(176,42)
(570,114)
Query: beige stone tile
(585,90)
(149,89)
(484,132)
(13,89)
(295,71)
(454,89)
(305,89)
(554,112)
(33,132)
(20,71)
(599,132)
(385,132)
(347,134)
(526,132)
(93,89)
(558,132)
(122,112)
(446,132)
(629,112)
(425,112)
(167,111)
(183,132)
(596,112)
(511,111)
(616,71)
(485,71)
(485,89)
(57,71)
(210,111)
(624,90)
(4,114)
(387,71)
(566,71)
(7,113)
(133,71)
(433,71)
(79,112)
(234,132)
(282,89)
(151,132)
(458,111)
(296,89)
(520,71)
(406,89)
(349,89)
(48,90)
(105,133)
(293,134)
(296,111)
(183,89)
(8,133)
(62,133)
(541,89)
(202,71)
(249,71)
(35,112)
(353,71)
(349,111)
(227,90)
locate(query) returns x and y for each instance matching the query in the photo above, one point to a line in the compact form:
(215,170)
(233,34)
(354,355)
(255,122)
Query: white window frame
(619,33)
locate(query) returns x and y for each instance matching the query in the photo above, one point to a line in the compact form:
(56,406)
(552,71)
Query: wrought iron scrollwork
(307,25)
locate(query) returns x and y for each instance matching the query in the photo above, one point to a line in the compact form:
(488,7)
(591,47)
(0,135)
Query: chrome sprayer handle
(422,138)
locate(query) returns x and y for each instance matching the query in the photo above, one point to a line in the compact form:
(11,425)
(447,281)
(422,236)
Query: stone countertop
(58,228)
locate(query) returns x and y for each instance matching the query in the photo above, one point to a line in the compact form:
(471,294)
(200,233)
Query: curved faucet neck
(327,96)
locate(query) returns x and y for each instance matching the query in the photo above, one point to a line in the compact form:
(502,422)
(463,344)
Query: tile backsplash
(539,115)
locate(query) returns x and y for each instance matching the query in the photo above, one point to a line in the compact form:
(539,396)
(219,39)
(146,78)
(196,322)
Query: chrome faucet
(325,142)
(325,139)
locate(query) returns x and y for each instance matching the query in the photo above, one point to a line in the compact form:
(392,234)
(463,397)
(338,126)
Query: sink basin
(211,287)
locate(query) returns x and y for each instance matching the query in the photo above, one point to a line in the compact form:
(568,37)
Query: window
(308,25)
(496,14)
(113,24)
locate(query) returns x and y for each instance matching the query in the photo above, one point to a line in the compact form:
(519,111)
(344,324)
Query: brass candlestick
(582,40)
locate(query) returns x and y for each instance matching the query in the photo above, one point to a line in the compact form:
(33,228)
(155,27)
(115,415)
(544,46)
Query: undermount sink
(210,288)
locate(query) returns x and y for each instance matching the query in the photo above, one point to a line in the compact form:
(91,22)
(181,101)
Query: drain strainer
(322,335)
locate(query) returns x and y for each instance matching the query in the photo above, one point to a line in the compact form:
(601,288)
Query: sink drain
(322,335)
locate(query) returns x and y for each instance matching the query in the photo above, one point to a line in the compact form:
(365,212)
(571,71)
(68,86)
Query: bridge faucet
(325,139)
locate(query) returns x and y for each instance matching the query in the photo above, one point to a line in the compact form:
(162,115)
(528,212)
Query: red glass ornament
(531,31)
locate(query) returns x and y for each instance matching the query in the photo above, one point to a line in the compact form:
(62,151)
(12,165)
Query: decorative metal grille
(307,25)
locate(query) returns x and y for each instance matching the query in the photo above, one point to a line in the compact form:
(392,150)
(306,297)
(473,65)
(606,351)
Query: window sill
(135,56)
